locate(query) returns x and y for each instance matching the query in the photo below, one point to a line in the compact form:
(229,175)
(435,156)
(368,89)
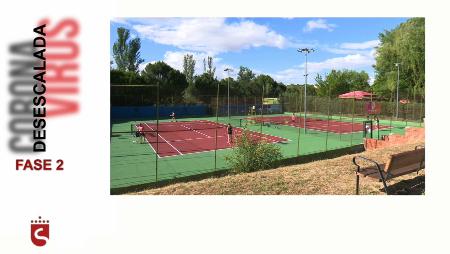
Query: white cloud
(360,45)
(293,75)
(365,50)
(346,62)
(175,60)
(122,21)
(371,80)
(211,35)
(318,24)
(352,62)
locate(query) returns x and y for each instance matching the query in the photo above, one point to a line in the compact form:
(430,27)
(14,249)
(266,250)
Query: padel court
(187,137)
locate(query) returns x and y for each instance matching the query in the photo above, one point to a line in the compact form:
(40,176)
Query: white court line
(242,129)
(324,127)
(196,131)
(268,138)
(183,140)
(148,142)
(204,151)
(165,140)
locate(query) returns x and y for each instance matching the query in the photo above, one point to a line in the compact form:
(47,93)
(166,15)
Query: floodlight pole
(306,51)
(228,71)
(398,85)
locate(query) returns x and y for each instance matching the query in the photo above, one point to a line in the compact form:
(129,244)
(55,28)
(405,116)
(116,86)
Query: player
(140,133)
(368,129)
(293,118)
(139,130)
(173,117)
(230,133)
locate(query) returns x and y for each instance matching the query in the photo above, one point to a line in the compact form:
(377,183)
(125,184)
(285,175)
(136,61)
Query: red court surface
(179,138)
(334,126)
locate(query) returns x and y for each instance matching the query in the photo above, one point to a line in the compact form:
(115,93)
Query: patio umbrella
(358,95)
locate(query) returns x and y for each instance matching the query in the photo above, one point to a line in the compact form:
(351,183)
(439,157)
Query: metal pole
(228,96)
(306,51)
(217,124)
(398,81)
(328,122)
(157,127)
(306,83)
(353,119)
(262,107)
(297,104)
(228,71)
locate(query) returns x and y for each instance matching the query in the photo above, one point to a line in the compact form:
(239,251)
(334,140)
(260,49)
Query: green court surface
(134,163)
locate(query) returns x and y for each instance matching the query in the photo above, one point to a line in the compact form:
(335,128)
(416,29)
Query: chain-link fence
(177,140)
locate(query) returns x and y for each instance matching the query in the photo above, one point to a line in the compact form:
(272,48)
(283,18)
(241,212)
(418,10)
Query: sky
(265,45)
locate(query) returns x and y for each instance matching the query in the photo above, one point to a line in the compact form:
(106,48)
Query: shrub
(252,154)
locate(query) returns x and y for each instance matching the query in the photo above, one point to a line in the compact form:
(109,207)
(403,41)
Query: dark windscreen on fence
(158,138)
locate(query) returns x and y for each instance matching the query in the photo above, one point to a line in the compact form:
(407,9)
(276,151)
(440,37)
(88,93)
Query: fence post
(262,109)
(328,122)
(298,128)
(217,124)
(353,120)
(157,128)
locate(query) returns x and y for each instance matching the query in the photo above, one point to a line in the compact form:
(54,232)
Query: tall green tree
(189,68)
(126,53)
(120,48)
(133,55)
(172,82)
(342,81)
(404,44)
(271,87)
(208,66)
(190,92)
(245,78)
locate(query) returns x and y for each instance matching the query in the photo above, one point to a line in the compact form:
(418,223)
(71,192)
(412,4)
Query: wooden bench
(397,165)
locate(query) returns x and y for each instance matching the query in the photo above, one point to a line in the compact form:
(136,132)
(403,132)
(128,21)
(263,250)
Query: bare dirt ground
(326,177)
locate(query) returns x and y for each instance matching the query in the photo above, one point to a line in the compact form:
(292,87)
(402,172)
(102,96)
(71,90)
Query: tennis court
(196,145)
(187,137)
(316,123)
(188,148)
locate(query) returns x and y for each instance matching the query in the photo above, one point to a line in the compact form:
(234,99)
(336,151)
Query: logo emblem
(40,232)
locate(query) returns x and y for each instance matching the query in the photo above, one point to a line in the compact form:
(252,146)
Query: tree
(129,95)
(271,87)
(206,84)
(189,71)
(133,55)
(404,44)
(245,77)
(342,81)
(208,67)
(172,82)
(126,54)
(189,68)
(120,48)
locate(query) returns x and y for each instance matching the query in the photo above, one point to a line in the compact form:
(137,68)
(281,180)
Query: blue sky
(265,45)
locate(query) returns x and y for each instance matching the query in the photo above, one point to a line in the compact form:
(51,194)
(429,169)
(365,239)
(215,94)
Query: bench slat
(405,159)
(372,172)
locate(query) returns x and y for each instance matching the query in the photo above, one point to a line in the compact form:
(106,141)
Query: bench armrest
(366,159)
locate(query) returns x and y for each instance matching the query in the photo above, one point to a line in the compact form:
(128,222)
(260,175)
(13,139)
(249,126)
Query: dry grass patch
(334,176)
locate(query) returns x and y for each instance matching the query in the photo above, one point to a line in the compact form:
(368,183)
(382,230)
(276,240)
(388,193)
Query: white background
(84,218)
